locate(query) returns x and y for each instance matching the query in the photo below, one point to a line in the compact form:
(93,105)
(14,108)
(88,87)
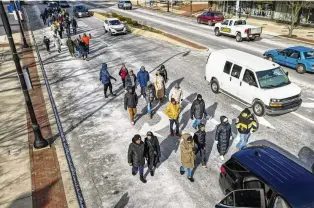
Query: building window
(262,9)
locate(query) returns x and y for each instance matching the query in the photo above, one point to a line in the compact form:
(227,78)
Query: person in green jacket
(70,45)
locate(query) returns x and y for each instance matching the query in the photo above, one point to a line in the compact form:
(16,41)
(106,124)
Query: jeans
(188,169)
(174,121)
(143,91)
(74,30)
(243,140)
(140,169)
(196,123)
(123,82)
(202,151)
(149,108)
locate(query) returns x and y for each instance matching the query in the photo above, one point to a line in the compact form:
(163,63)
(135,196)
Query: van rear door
(248,198)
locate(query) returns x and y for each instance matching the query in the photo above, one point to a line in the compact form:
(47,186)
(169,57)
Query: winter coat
(130,81)
(104,74)
(177,94)
(223,134)
(123,72)
(200,138)
(57,42)
(74,23)
(150,93)
(198,109)
(143,78)
(159,83)
(136,154)
(46,41)
(70,45)
(130,100)
(187,152)
(172,111)
(152,148)
(163,73)
(246,123)
(86,39)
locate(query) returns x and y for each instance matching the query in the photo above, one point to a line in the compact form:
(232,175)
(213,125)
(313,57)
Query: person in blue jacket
(142,78)
(105,78)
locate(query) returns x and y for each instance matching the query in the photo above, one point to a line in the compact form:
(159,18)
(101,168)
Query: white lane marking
(311,99)
(261,120)
(195,32)
(308,105)
(303,117)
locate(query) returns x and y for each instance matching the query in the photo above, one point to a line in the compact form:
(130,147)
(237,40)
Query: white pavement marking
(261,120)
(164,122)
(303,117)
(308,105)
(311,99)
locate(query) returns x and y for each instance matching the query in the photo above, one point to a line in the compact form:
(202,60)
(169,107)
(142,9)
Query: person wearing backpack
(130,103)
(152,150)
(136,156)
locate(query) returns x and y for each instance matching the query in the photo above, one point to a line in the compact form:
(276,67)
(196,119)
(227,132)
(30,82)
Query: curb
(171,36)
(175,14)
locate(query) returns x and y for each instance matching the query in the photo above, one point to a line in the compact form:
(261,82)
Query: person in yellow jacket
(173,111)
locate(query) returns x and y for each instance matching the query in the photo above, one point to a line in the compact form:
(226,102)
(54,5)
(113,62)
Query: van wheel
(238,37)
(270,58)
(215,86)
(301,68)
(259,108)
(217,32)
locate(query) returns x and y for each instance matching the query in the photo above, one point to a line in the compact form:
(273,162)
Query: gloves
(130,164)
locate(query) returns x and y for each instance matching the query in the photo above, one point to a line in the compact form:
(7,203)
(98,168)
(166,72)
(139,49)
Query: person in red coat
(123,74)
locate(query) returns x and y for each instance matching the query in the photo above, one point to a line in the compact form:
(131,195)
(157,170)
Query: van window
(280,203)
(249,77)
(230,23)
(235,166)
(248,198)
(228,66)
(236,71)
(229,200)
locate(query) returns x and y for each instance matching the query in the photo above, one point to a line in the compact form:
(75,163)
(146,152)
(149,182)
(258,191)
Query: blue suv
(262,177)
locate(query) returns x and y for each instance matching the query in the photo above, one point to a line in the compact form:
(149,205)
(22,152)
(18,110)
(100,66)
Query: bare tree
(295,7)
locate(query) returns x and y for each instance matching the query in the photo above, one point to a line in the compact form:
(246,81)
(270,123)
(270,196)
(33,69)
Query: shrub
(129,21)
(114,15)
(135,23)
(121,18)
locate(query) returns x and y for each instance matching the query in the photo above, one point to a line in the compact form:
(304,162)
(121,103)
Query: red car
(210,18)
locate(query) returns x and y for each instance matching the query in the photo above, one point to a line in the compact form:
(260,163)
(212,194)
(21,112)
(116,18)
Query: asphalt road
(99,132)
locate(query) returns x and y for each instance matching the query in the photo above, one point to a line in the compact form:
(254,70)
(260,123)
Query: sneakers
(172,134)
(143,179)
(182,172)
(222,157)
(191,179)
(152,173)
(113,94)
(204,166)
(132,122)
(178,135)
(134,173)
(106,96)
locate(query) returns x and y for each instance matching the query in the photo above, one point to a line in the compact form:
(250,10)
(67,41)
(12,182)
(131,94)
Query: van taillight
(246,31)
(222,169)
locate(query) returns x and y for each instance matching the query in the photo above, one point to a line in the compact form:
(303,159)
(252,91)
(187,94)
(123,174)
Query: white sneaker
(132,122)
(222,157)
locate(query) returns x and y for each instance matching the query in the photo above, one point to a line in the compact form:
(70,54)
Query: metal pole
(168,6)
(190,8)
(39,142)
(25,45)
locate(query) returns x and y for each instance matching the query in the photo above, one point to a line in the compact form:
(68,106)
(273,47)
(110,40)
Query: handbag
(155,152)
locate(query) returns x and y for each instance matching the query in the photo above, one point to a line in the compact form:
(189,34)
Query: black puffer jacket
(130,100)
(200,138)
(152,145)
(136,154)
(150,93)
(223,134)
(198,109)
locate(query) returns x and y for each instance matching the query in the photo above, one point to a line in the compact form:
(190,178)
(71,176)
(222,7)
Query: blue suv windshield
(272,78)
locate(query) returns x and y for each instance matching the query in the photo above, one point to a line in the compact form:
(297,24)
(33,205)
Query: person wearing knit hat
(136,156)
(150,93)
(142,78)
(222,136)
(152,150)
(198,110)
(200,140)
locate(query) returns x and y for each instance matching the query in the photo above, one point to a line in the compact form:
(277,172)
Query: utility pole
(25,45)
(168,6)
(39,142)
(191,8)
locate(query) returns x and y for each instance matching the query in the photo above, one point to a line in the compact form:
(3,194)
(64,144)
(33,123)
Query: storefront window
(262,9)
(311,16)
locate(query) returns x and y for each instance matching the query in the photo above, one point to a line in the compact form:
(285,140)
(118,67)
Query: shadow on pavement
(124,200)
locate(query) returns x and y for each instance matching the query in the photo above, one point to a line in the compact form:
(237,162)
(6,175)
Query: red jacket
(123,72)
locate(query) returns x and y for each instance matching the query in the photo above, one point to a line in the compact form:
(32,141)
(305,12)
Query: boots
(143,179)
(152,172)
(191,178)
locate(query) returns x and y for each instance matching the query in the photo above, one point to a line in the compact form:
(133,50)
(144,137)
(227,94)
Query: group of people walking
(60,23)
(190,145)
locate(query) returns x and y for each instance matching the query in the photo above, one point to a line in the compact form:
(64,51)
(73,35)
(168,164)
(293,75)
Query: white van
(253,81)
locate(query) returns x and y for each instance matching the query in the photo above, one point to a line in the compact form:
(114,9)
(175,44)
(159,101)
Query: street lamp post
(25,45)
(39,142)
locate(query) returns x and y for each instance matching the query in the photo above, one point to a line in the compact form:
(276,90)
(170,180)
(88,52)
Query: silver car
(125,4)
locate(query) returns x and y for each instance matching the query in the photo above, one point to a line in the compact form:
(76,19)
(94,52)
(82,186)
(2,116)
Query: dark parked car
(64,4)
(210,18)
(260,176)
(53,5)
(80,10)
(125,4)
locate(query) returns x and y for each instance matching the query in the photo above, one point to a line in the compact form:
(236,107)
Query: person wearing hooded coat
(152,150)
(136,156)
(150,93)
(173,110)
(163,72)
(105,78)
(200,140)
(47,43)
(187,149)
(176,93)
(123,73)
(70,45)
(198,110)
(142,78)
(130,80)
(130,103)
(74,25)
(222,136)
(57,43)
(160,87)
